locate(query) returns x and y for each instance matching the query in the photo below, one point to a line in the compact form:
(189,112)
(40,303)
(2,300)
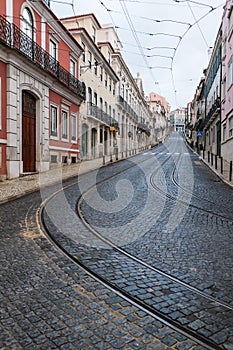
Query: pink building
(40,93)
(227,82)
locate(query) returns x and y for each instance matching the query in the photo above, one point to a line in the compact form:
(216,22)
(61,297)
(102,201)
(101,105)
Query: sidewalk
(214,163)
(15,188)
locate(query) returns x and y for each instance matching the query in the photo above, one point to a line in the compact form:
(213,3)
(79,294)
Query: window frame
(73,127)
(54,136)
(64,137)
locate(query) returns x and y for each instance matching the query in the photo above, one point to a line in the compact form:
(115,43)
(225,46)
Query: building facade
(160,111)
(227,83)
(39,89)
(119,120)
(177,120)
(98,124)
(212,95)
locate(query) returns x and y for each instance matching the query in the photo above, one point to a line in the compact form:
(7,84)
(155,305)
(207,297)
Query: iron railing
(127,108)
(143,127)
(99,114)
(16,39)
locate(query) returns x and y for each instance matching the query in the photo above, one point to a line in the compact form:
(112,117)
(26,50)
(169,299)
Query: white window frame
(54,106)
(231,126)
(63,126)
(74,131)
(72,67)
(89,59)
(224,132)
(53,48)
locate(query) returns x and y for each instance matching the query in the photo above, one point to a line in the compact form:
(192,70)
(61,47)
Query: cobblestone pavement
(195,247)
(47,302)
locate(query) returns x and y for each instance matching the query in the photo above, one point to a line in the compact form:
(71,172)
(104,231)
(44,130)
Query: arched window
(27,23)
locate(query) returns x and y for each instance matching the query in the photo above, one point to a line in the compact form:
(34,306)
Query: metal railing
(99,114)
(127,108)
(16,39)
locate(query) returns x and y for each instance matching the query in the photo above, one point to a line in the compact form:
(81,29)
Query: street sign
(199,133)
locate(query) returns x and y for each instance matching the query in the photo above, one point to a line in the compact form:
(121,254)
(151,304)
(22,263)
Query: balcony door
(28,132)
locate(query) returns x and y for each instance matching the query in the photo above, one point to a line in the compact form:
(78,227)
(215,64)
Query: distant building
(177,119)
(160,110)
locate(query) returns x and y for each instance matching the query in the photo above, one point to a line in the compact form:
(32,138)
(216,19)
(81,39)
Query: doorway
(28,132)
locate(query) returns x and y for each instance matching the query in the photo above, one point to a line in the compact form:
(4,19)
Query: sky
(166,41)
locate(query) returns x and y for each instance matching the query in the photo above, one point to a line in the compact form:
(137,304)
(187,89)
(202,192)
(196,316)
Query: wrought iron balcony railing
(144,128)
(16,39)
(99,114)
(127,108)
(215,108)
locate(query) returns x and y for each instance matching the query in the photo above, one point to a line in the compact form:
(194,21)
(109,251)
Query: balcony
(127,108)
(144,128)
(13,37)
(214,110)
(102,116)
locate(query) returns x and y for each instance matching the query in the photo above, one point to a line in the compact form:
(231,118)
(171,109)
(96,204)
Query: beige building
(98,124)
(116,117)
(160,110)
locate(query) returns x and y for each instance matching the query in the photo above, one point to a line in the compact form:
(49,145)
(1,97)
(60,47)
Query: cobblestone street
(152,235)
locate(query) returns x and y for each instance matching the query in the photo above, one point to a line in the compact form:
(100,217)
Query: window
(73,128)
(53,49)
(230,73)
(27,23)
(106,107)
(93,33)
(95,98)
(123,90)
(110,111)
(101,103)
(109,57)
(89,95)
(231,126)
(83,55)
(53,121)
(110,84)
(95,66)
(224,88)
(64,125)
(101,135)
(224,133)
(72,67)
(101,73)
(106,79)
(89,58)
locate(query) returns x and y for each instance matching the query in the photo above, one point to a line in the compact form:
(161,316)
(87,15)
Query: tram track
(174,198)
(200,339)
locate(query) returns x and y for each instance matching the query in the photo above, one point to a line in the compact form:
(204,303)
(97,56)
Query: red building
(40,93)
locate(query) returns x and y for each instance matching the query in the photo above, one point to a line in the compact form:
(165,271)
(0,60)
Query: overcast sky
(185,45)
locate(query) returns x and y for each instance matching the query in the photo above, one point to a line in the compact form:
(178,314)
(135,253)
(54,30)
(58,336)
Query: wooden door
(29,132)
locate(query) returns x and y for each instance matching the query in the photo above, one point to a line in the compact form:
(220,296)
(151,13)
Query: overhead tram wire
(198,24)
(194,2)
(176,49)
(128,18)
